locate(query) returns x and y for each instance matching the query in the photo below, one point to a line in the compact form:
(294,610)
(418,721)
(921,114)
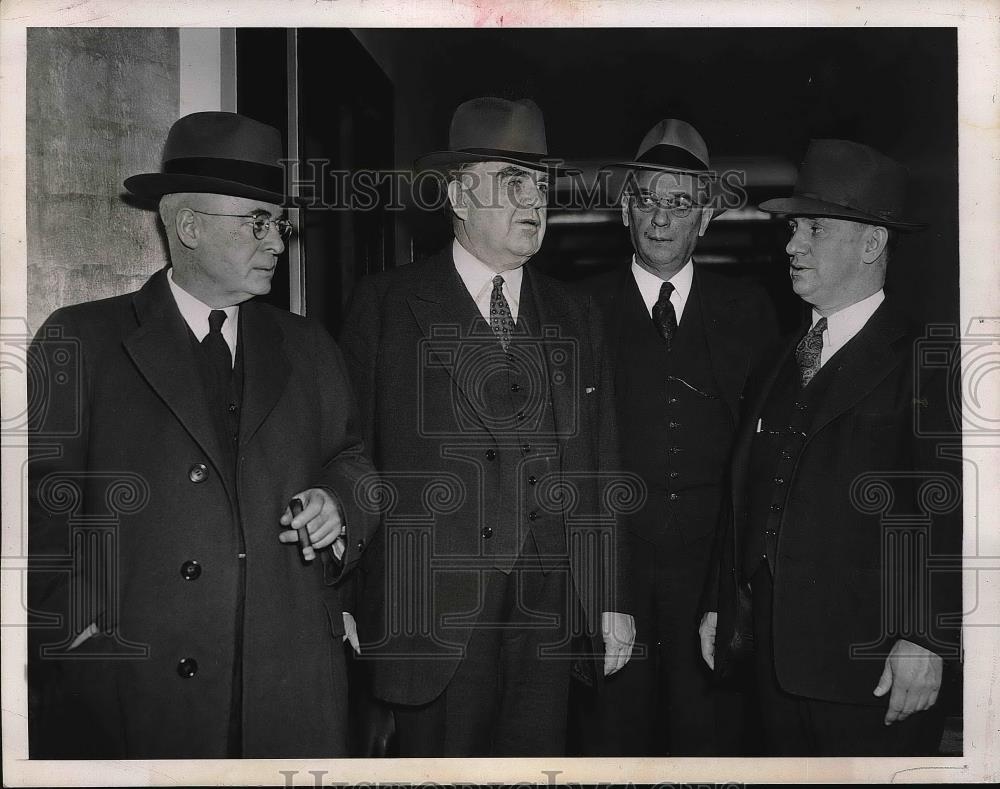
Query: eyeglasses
(678,205)
(261,224)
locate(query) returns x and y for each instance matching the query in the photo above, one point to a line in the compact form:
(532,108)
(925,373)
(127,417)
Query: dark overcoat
(409,345)
(125,456)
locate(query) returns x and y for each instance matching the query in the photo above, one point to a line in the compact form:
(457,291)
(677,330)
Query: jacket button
(491,454)
(674,496)
(674,450)
(674,474)
(233,408)
(532,479)
(779,480)
(674,425)
(786,454)
(532,516)
(520,416)
(672,401)
(515,387)
(187,667)
(526,448)
(198,473)
(190,570)
(361,545)
(770,532)
(487,532)
(775,508)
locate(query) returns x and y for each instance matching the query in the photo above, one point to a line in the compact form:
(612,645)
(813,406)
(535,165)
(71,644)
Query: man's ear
(706,217)
(877,238)
(625,208)
(456,196)
(187,228)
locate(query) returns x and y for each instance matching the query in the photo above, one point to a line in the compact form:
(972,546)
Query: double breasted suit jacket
(738,326)
(863,511)
(125,440)
(419,355)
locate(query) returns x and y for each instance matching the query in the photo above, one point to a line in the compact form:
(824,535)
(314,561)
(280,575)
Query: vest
(676,430)
(785,421)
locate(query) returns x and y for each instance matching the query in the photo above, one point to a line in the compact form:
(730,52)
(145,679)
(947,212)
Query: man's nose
(795,245)
(273,240)
(661,217)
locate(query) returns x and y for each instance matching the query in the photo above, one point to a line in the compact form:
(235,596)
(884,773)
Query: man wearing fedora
(187,624)
(684,340)
(483,392)
(840,507)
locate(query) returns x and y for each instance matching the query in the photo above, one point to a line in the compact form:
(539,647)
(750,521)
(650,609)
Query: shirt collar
(842,325)
(195,313)
(478,277)
(650,284)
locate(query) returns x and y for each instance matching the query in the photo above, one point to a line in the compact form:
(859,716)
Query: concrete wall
(99,104)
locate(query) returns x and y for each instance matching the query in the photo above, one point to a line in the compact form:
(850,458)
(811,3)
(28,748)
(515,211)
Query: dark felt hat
(489,129)
(848,180)
(220,153)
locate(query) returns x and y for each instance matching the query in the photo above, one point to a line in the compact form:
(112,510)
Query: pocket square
(590,390)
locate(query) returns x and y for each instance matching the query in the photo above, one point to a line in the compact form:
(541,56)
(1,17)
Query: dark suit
(677,413)
(476,458)
(846,500)
(129,478)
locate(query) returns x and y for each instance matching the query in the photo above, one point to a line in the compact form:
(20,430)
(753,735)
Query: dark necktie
(664,317)
(500,318)
(809,350)
(217,348)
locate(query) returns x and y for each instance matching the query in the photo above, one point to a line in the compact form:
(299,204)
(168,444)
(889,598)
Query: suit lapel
(866,360)
(266,368)
(161,350)
(727,352)
(443,310)
(554,310)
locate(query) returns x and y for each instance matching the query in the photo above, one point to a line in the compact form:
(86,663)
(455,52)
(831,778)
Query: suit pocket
(334,610)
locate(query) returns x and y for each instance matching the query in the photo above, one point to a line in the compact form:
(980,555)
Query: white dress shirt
(195,313)
(650,284)
(845,323)
(478,279)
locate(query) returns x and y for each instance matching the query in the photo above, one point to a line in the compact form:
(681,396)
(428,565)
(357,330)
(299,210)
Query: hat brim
(442,160)
(155,185)
(710,174)
(809,206)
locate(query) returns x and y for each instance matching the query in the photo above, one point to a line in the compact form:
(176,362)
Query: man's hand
(320,515)
(351,632)
(618,632)
(706,632)
(914,674)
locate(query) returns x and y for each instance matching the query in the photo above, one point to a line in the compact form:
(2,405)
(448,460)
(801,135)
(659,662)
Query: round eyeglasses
(677,205)
(261,224)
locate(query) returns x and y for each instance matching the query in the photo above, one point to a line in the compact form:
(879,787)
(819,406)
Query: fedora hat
(672,145)
(489,129)
(221,153)
(848,180)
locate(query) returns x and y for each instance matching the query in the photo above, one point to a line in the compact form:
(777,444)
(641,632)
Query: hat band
(671,156)
(260,176)
(486,152)
(881,212)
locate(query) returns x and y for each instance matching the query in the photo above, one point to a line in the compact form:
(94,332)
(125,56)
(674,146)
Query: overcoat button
(187,667)
(190,570)
(490,454)
(532,479)
(674,496)
(532,516)
(487,532)
(361,545)
(775,508)
(198,473)
(674,474)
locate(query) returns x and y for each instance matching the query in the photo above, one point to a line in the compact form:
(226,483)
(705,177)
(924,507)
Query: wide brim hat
(841,179)
(491,129)
(672,145)
(218,153)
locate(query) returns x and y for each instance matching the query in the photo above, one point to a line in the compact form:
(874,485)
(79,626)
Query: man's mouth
(528,220)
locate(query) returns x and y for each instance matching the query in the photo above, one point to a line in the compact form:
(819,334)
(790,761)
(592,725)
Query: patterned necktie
(664,317)
(809,350)
(217,348)
(500,318)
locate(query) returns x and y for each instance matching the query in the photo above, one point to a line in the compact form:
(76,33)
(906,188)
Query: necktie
(500,318)
(217,348)
(664,316)
(809,350)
